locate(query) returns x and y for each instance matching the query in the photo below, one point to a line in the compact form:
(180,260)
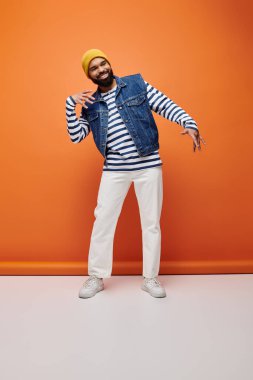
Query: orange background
(199,53)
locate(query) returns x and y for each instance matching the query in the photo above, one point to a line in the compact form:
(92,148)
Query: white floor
(202,330)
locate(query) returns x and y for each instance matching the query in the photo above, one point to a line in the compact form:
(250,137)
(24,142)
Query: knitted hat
(88,56)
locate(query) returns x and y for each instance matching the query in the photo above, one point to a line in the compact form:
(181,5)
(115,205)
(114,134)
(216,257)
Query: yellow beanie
(88,56)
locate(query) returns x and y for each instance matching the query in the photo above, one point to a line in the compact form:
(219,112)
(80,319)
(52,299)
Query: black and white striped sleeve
(165,107)
(77,129)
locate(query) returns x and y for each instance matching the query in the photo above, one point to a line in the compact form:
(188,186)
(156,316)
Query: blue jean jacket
(133,107)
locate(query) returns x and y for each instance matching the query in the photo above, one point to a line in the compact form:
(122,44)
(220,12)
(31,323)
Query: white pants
(114,186)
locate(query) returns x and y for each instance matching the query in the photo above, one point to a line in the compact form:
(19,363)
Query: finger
(81,101)
(196,144)
(89,101)
(194,139)
(199,147)
(84,96)
(203,141)
(87,96)
(198,141)
(201,138)
(84,105)
(85,93)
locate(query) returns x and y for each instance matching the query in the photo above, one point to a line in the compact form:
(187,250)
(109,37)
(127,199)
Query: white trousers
(114,186)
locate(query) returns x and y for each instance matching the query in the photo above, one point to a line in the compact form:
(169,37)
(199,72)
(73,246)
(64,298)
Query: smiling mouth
(103,76)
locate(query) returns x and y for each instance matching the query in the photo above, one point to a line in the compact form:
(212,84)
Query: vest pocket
(137,107)
(92,116)
(136,101)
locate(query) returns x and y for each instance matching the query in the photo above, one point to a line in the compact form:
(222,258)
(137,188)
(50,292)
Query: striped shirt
(121,153)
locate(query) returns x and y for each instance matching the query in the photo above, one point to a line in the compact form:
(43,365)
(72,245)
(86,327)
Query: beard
(104,82)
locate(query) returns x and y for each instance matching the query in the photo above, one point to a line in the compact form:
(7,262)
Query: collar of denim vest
(120,83)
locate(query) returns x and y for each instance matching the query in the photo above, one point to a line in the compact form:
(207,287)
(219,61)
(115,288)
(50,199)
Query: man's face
(100,72)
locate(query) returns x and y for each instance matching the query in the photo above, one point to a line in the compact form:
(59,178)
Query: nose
(101,71)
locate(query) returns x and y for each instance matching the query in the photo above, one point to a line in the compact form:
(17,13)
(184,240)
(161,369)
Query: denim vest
(133,107)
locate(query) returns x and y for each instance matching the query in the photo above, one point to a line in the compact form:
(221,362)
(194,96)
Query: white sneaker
(153,287)
(91,286)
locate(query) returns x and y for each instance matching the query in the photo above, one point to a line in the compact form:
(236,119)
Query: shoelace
(92,280)
(152,282)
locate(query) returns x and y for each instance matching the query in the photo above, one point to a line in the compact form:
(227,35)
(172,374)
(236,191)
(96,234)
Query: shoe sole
(152,294)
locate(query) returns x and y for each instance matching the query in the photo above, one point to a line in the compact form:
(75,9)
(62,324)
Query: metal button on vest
(120,108)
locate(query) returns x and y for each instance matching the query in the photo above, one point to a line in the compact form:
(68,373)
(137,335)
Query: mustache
(107,72)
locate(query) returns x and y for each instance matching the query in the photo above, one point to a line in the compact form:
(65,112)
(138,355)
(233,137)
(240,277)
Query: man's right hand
(83,97)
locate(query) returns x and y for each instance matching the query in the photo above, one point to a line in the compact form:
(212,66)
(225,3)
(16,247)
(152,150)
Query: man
(119,114)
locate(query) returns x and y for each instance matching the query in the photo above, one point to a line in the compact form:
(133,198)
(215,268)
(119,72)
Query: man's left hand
(194,134)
